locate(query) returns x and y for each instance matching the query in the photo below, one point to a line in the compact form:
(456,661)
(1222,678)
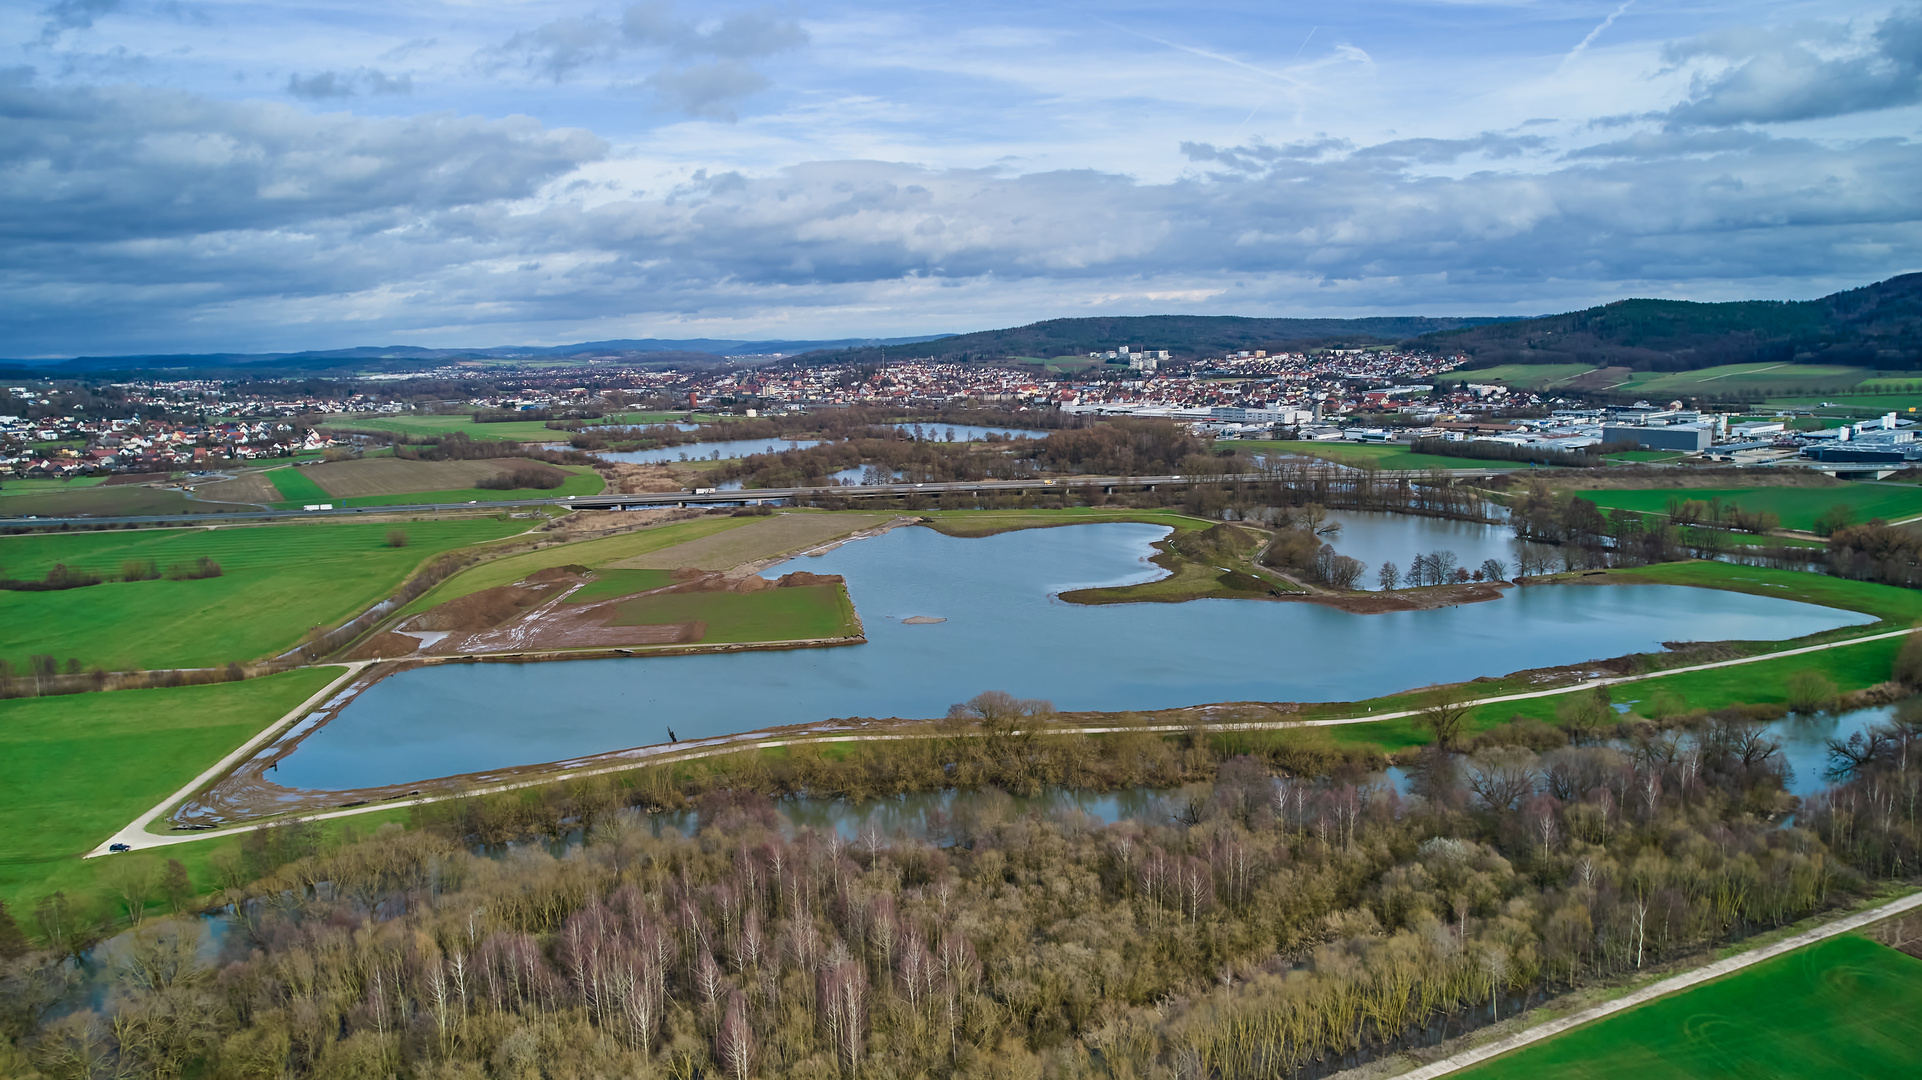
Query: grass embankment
(802,613)
(1847,1006)
(74,769)
(1798,507)
(277,582)
(978,523)
(1364,456)
(1211,563)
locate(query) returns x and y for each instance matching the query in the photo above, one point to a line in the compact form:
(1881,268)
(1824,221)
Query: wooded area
(1277,920)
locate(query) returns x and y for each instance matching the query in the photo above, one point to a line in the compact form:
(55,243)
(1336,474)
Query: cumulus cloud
(337,84)
(1804,72)
(184,218)
(88,165)
(703,70)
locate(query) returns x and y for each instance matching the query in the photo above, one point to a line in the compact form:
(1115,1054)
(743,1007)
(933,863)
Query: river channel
(1004,630)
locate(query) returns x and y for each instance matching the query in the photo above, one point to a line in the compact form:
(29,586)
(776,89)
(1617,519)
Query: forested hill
(1876,326)
(1184,335)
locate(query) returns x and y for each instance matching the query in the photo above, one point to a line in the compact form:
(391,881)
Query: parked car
(119,847)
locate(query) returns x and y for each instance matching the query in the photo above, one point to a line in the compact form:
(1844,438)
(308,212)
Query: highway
(1109,484)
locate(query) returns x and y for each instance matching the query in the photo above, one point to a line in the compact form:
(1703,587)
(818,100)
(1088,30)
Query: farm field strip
(1797,507)
(1766,1020)
(762,538)
(297,487)
(277,582)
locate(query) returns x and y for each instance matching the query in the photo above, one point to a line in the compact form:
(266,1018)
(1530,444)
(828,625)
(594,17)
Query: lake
(966,432)
(1376,537)
(1005,630)
(706,451)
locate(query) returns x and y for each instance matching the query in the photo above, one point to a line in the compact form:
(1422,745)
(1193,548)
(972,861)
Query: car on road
(119,847)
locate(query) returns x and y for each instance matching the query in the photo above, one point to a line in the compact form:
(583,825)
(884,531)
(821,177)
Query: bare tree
(1389,576)
(1444,711)
(1503,776)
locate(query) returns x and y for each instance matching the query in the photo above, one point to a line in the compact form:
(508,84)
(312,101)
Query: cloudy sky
(179,175)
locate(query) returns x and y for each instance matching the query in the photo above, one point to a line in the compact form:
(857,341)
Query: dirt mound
(624,478)
(688,579)
(477,611)
(385,646)
(800,578)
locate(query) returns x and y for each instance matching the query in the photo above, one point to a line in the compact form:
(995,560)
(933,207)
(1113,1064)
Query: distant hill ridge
(1186,336)
(1876,326)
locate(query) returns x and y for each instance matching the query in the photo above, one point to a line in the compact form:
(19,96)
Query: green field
(432,425)
(104,501)
(796,614)
(1527,376)
(1845,1007)
(608,584)
(1642,456)
(73,769)
(48,487)
(1360,455)
(583,480)
(1853,405)
(278,581)
(592,553)
(1798,507)
(297,488)
(1745,380)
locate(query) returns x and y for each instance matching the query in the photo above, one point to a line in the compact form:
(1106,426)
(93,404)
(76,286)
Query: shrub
(397,538)
(1908,662)
(203,567)
(1810,691)
(545,479)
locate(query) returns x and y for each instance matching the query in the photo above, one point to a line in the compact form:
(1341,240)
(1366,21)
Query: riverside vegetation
(1281,920)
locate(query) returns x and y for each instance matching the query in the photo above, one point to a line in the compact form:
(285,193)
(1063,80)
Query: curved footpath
(136,836)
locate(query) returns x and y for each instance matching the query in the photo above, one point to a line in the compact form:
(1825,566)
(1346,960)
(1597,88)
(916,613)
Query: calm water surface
(707,451)
(1375,538)
(1004,631)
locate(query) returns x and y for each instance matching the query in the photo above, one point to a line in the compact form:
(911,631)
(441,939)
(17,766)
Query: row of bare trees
(1256,924)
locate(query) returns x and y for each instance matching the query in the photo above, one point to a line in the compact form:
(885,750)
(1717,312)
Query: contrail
(1304,43)
(1263,72)
(1592,35)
